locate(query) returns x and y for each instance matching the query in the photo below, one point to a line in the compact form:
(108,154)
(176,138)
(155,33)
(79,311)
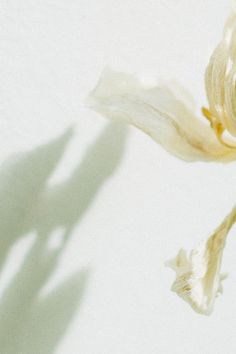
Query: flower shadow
(32,322)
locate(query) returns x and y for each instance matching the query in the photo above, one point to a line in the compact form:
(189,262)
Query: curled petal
(162,113)
(214,80)
(220,78)
(198,278)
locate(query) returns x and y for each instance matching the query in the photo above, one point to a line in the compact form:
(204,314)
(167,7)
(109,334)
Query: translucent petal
(198,279)
(160,113)
(220,78)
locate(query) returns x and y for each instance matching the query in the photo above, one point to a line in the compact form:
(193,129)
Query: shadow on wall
(30,323)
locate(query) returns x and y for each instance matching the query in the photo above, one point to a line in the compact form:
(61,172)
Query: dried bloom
(198,279)
(167,113)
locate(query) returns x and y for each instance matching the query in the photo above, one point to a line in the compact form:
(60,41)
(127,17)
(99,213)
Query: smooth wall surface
(90,211)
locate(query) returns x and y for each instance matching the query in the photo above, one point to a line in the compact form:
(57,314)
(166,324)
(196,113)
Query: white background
(123,225)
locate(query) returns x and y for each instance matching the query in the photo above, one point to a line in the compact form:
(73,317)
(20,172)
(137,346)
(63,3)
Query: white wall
(124,203)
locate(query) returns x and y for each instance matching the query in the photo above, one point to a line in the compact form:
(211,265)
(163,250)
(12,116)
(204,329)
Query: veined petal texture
(198,278)
(162,113)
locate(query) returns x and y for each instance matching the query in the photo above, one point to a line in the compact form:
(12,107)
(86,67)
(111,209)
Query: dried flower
(167,114)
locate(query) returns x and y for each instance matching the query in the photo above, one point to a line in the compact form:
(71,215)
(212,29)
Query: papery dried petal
(160,113)
(220,78)
(198,279)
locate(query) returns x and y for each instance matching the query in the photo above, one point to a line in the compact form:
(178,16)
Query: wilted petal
(160,113)
(198,279)
(220,79)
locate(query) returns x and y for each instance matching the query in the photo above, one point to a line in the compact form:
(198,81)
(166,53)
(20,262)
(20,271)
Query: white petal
(198,279)
(159,112)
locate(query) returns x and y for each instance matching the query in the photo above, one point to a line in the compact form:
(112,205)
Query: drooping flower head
(167,114)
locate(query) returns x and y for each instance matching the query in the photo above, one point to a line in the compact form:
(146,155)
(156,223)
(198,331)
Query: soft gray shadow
(32,322)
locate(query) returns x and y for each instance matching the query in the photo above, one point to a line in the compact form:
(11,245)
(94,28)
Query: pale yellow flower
(167,114)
